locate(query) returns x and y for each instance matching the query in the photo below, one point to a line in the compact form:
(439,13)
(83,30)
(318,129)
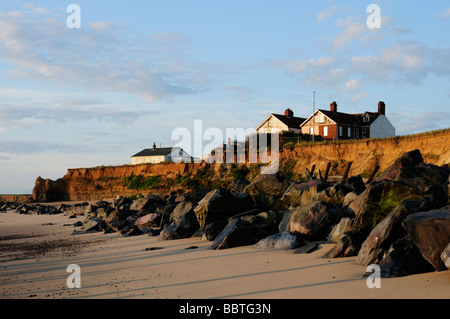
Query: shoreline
(119,267)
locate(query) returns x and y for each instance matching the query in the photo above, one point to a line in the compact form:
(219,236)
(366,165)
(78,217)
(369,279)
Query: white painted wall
(382,127)
(271,123)
(147,160)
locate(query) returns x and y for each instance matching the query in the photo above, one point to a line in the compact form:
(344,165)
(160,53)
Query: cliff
(108,182)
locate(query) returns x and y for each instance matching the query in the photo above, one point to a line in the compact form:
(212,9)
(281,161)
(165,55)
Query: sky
(135,71)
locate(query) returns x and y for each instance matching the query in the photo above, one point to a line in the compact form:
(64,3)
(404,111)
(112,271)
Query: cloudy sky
(136,70)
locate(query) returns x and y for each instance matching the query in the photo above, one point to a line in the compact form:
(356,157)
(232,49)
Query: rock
(390,229)
(268,189)
(299,194)
(347,246)
(336,194)
(403,259)
(409,159)
(265,220)
(150,220)
(377,201)
(314,220)
(153,248)
(179,210)
(211,230)
(340,229)
(430,232)
(165,213)
(308,248)
(239,184)
(187,225)
(349,198)
(148,203)
(238,233)
(284,240)
(117,220)
(221,204)
(92,225)
(445,256)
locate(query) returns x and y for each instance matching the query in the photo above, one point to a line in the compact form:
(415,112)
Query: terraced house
(334,125)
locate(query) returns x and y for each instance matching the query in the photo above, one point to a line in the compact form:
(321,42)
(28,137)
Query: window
(357,133)
(341,131)
(325,131)
(311,131)
(349,132)
(366,117)
(364,133)
(274,122)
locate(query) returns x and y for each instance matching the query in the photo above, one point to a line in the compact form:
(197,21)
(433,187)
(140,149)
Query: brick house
(334,125)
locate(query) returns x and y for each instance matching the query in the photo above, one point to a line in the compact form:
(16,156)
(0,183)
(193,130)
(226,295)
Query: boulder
(147,203)
(377,201)
(93,224)
(430,232)
(211,230)
(315,220)
(179,210)
(284,240)
(239,184)
(265,220)
(268,189)
(303,193)
(445,256)
(221,204)
(403,259)
(409,159)
(390,229)
(238,233)
(186,226)
(117,220)
(150,220)
(308,248)
(336,194)
(347,246)
(340,229)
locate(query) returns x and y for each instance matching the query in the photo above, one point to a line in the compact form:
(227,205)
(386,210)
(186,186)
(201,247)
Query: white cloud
(351,85)
(446,14)
(326,13)
(41,48)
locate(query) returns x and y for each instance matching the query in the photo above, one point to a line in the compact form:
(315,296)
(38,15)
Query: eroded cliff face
(108,182)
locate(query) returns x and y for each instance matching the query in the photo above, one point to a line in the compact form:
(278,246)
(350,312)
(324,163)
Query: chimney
(289,113)
(381,108)
(154,146)
(333,107)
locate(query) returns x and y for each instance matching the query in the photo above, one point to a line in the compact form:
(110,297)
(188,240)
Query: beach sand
(34,257)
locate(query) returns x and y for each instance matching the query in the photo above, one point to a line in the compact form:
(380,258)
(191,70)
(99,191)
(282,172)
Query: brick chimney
(289,113)
(381,108)
(154,146)
(333,107)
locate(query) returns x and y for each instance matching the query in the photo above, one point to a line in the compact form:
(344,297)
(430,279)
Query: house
(158,155)
(331,124)
(284,123)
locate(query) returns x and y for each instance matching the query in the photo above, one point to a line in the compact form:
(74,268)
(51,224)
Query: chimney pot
(154,146)
(289,113)
(333,106)
(381,108)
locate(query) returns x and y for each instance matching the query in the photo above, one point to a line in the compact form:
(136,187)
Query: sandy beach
(37,249)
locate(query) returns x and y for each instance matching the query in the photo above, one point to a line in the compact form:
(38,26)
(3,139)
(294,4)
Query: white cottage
(158,155)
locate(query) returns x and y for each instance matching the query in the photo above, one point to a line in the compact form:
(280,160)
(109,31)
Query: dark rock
(340,229)
(239,184)
(117,220)
(377,201)
(347,246)
(430,232)
(92,225)
(390,229)
(131,231)
(238,233)
(220,204)
(336,194)
(315,220)
(191,247)
(150,220)
(284,240)
(187,225)
(147,203)
(403,259)
(153,248)
(268,189)
(409,159)
(211,230)
(308,248)
(298,194)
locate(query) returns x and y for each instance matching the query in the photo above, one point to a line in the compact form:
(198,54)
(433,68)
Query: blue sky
(137,70)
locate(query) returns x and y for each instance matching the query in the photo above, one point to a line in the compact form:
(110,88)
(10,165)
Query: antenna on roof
(314,118)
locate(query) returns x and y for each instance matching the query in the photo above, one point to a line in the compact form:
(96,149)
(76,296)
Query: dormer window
(366,118)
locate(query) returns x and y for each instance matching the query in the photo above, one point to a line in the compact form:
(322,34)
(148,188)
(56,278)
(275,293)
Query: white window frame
(325,131)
